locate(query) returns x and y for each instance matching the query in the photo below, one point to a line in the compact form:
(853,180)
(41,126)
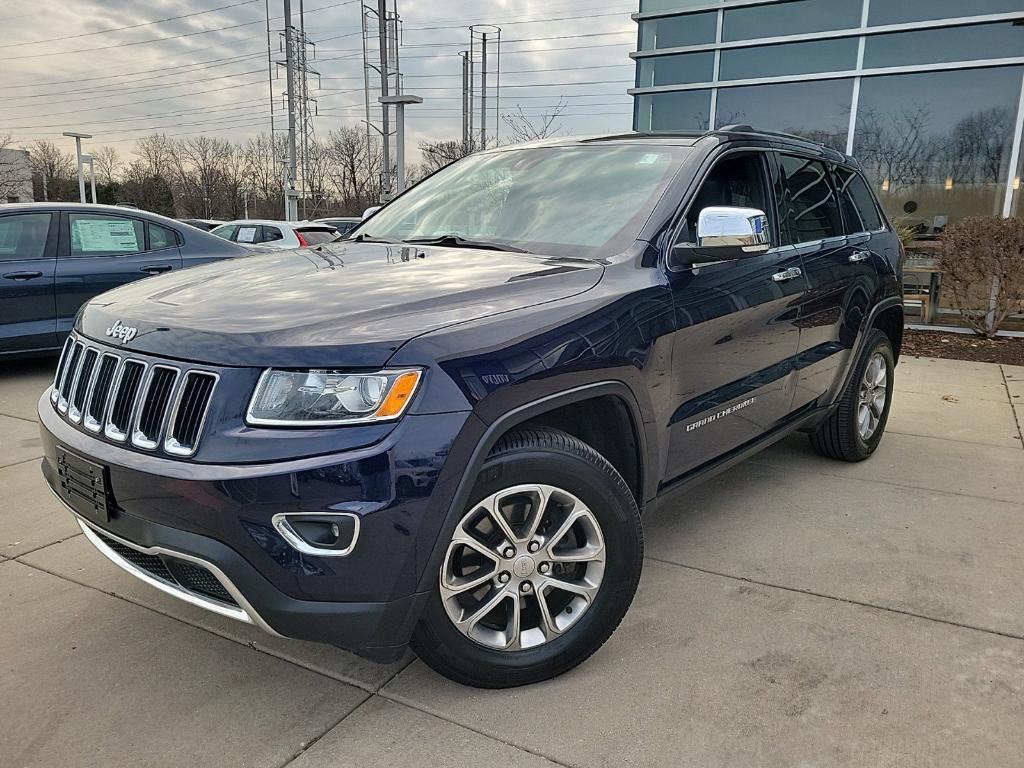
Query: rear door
(28,252)
(101,251)
(736,335)
(838,265)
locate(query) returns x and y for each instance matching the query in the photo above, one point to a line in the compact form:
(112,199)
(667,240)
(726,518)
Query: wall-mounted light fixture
(949,183)
(885,185)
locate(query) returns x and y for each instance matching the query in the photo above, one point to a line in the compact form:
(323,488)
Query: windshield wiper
(363,238)
(461,242)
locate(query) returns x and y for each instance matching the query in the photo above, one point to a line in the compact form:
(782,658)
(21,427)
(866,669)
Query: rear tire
(856,426)
(571,537)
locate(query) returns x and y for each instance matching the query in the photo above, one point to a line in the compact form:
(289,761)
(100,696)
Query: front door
(736,335)
(27,258)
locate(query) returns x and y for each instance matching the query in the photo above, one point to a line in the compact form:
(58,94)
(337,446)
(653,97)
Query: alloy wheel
(524,565)
(874,391)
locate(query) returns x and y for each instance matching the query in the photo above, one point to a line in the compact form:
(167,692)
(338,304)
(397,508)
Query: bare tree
(530,127)
(352,171)
(12,181)
(264,174)
(438,154)
(55,171)
(108,164)
(983,268)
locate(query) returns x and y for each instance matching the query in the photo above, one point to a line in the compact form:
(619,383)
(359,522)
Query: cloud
(208,73)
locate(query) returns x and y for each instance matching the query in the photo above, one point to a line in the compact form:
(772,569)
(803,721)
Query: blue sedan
(56,256)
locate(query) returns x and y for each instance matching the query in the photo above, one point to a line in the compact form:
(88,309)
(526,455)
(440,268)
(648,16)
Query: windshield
(589,201)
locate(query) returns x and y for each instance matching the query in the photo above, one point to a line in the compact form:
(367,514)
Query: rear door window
(23,236)
(808,208)
(227,231)
(270,234)
(318,236)
(859,207)
(102,235)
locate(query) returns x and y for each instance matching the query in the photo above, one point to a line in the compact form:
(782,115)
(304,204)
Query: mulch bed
(961,346)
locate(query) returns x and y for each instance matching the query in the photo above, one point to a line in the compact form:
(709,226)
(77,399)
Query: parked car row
(277,234)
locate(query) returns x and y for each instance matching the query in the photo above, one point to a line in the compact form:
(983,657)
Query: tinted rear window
(859,207)
(808,210)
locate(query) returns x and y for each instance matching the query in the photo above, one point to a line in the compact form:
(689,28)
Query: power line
(170,37)
(130,26)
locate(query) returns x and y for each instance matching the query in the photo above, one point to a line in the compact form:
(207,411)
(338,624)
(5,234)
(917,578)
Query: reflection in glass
(789,59)
(931,46)
(793,18)
(899,11)
(674,111)
(937,144)
(673,31)
(818,110)
(678,69)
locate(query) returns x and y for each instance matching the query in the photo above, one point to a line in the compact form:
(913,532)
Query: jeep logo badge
(123,332)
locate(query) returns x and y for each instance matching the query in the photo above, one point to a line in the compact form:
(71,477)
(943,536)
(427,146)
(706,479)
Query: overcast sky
(209,72)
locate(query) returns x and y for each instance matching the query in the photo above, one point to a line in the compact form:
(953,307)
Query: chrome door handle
(860,256)
(790,274)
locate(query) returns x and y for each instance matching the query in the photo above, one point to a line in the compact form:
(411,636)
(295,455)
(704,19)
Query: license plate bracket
(84,485)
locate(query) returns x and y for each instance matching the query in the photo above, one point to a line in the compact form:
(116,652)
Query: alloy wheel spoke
(548,626)
(467,623)
(584,589)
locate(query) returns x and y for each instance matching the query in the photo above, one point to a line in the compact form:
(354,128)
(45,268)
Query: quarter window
(808,209)
(161,237)
(270,234)
(859,208)
(23,236)
(94,235)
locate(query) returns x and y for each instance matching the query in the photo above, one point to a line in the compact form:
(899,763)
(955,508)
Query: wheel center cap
(524,567)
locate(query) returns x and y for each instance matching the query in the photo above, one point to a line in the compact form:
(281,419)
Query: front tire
(856,426)
(541,568)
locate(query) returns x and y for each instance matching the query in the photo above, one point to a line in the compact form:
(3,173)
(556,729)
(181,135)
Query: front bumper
(219,519)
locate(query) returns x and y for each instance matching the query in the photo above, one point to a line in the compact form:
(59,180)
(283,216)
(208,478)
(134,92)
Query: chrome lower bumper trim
(245,613)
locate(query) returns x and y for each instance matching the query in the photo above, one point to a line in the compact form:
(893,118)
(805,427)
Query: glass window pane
(673,31)
(675,111)
(936,145)
(671,5)
(858,205)
(932,46)
(161,237)
(818,110)
(97,235)
(789,59)
(900,11)
(677,69)
(227,231)
(791,18)
(23,236)
(808,209)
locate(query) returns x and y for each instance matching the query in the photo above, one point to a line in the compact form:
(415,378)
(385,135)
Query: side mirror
(370,211)
(725,233)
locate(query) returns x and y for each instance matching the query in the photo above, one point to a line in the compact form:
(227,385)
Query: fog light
(325,535)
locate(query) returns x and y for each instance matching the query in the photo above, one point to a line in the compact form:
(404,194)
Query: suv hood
(344,304)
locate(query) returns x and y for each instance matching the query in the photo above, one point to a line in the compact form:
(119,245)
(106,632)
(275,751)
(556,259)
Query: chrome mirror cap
(724,226)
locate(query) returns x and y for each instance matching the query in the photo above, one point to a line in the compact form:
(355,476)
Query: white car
(277,234)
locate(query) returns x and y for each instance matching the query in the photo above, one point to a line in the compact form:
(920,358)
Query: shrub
(983,269)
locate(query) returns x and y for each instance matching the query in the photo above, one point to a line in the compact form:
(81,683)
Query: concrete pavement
(793,611)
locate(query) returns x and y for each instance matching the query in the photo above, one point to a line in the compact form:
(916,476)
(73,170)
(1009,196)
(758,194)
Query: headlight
(326,397)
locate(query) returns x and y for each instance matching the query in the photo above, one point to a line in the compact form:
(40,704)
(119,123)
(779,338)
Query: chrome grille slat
(154,399)
(70,376)
(188,414)
(82,385)
(146,403)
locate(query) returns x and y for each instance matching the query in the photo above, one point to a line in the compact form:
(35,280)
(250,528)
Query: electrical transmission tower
(301,108)
(481,82)
(382,77)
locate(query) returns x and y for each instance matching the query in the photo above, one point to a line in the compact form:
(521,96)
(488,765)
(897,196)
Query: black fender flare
(503,424)
(862,340)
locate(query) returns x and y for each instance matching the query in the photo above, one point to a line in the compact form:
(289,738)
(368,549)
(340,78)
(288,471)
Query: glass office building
(927,94)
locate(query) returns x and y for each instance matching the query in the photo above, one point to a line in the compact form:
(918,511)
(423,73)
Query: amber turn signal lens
(399,396)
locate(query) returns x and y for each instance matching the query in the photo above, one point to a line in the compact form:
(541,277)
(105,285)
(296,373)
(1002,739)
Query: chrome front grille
(146,404)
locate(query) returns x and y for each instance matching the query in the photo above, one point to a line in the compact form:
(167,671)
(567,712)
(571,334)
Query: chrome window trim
(296,542)
(138,439)
(110,431)
(171,445)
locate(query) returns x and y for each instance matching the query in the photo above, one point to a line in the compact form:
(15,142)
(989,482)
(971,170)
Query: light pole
(400,100)
(92,175)
(78,151)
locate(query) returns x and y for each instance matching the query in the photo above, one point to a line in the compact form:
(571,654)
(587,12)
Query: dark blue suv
(443,431)
(54,257)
